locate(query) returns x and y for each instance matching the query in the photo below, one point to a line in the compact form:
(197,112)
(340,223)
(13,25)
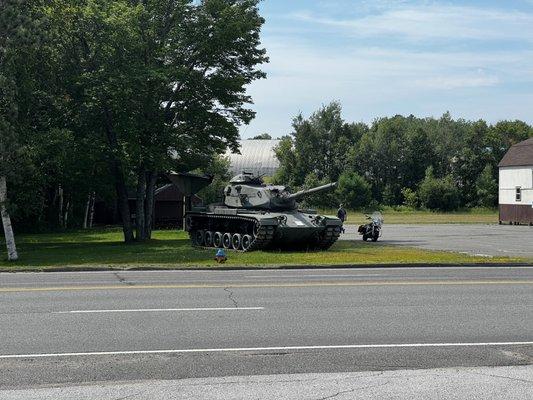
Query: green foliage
(218,168)
(438,193)
(393,154)
(320,199)
(115,92)
(353,190)
(410,198)
(262,136)
(487,188)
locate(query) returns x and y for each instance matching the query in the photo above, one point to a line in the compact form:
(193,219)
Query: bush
(218,168)
(324,199)
(486,188)
(438,193)
(353,190)
(410,198)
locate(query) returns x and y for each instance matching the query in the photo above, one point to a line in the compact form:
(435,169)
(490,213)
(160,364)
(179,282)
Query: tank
(255,216)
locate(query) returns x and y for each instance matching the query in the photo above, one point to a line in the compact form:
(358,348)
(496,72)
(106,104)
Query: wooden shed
(168,208)
(515,196)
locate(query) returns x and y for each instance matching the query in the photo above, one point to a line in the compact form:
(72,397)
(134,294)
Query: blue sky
(382,57)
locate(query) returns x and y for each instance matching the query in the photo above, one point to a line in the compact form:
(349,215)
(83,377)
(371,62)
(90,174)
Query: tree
(262,136)
(218,168)
(162,84)
(319,145)
(353,190)
(486,188)
(438,193)
(19,35)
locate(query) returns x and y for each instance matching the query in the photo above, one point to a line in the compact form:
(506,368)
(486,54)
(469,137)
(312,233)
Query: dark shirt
(341,214)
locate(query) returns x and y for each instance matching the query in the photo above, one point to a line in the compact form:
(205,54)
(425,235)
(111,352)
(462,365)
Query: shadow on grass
(170,251)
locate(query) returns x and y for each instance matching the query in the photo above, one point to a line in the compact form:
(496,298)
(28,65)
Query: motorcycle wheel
(365,238)
(375,237)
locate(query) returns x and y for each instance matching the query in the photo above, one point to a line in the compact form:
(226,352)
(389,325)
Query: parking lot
(487,240)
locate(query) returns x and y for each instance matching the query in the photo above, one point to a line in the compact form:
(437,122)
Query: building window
(518,193)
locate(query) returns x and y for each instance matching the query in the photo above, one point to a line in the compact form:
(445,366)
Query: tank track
(261,239)
(330,236)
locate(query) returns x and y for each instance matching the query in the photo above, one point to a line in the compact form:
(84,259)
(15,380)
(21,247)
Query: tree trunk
(91,212)
(6,222)
(141,194)
(67,211)
(60,214)
(123,205)
(151,178)
(86,214)
(120,181)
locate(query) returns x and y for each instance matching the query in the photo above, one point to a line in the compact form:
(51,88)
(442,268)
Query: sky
(382,57)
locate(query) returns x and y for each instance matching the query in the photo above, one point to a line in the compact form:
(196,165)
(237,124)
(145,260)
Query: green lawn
(171,249)
(408,216)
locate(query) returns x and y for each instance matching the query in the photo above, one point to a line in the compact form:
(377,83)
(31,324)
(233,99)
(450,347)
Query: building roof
(520,154)
(257,157)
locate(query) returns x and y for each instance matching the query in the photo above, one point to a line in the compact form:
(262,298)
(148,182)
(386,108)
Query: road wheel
(365,238)
(236,241)
(226,240)
(256,228)
(246,242)
(217,239)
(375,237)
(199,238)
(208,238)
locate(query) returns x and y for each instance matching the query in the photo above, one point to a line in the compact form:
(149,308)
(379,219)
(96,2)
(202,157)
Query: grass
(403,215)
(171,249)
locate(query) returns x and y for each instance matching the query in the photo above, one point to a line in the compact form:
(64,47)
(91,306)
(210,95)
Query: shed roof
(520,154)
(257,157)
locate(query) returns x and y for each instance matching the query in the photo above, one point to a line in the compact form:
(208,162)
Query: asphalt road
(473,239)
(68,328)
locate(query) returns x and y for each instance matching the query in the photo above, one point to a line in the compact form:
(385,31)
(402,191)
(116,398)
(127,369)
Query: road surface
(473,239)
(71,328)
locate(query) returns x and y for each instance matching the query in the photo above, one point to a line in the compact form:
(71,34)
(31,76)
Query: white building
(515,195)
(257,157)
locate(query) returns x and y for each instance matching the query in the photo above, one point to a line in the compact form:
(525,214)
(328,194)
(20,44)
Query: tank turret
(249,192)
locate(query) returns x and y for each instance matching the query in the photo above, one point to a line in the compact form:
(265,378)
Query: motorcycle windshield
(377,218)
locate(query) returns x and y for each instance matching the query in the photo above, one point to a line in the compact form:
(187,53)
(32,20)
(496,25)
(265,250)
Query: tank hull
(248,230)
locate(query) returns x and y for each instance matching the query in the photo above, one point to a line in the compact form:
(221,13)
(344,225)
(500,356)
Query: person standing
(342,215)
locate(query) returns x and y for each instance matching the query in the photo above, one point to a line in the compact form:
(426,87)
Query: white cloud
(449,58)
(425,22)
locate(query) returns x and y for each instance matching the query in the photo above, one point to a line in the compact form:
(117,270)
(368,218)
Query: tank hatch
(247,178)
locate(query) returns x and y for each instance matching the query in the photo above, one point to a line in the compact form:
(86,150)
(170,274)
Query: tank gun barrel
(305,192)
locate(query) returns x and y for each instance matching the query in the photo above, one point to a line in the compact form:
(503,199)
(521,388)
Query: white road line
(354,275)
(158,310)
(280,348)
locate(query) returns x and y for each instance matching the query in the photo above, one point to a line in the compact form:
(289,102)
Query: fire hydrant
(220,256)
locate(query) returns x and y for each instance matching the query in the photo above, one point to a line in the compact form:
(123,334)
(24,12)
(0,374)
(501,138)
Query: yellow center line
(268,285)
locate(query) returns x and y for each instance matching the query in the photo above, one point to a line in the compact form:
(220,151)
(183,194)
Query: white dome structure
(257,157)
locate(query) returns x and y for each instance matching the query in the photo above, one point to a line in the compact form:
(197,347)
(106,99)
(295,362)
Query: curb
(259,267)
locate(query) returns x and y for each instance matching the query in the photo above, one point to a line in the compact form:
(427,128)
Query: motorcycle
(372,229)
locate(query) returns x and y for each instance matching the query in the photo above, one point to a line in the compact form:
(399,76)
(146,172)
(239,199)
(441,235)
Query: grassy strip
(171,249)
(402,215)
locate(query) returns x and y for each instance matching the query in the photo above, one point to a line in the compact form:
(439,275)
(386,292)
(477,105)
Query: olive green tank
(255,216)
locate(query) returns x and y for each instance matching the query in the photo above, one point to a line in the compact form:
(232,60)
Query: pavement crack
(501,376)
(352,390)
(230,296)
(121,279)
(129,396)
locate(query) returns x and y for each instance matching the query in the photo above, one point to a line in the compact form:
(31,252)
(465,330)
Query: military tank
(255,216)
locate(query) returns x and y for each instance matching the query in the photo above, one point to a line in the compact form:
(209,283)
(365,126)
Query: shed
(257,157)
(515,195)
(168,208)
